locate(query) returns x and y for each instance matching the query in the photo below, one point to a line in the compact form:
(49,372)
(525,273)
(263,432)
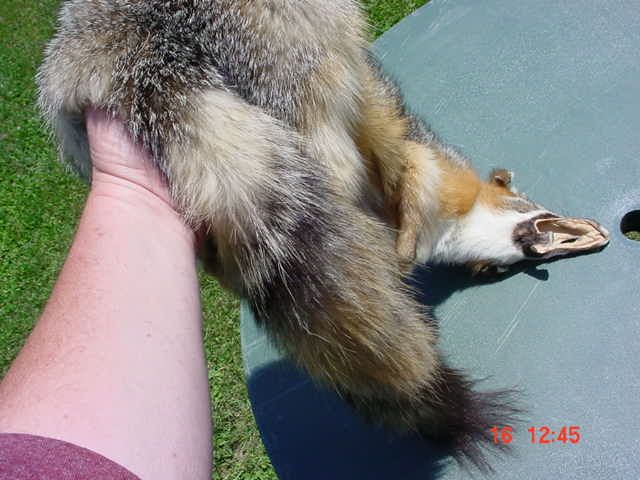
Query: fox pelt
(279,134)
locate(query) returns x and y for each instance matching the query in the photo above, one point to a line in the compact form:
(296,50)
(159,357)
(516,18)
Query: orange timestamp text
(539,435)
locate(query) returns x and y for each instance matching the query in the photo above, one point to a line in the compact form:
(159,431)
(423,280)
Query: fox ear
(501,177)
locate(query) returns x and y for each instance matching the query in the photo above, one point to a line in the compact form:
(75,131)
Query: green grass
(633,235)
(383,14)
(40,204)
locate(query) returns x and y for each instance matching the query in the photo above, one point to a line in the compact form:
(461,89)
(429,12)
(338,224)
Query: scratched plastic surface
(550,90)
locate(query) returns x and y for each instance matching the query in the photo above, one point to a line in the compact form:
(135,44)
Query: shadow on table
(435,283)
(311,434)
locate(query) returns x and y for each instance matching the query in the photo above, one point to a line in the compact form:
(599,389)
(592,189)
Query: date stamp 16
(539,435)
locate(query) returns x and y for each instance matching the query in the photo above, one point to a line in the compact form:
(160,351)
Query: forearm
(115,363)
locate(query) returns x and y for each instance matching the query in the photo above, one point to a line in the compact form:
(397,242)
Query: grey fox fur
(278,133)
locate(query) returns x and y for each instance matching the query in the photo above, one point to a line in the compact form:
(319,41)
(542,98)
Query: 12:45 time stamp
(540,435)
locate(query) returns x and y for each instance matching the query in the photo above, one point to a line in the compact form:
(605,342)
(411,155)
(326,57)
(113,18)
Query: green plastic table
(550,90)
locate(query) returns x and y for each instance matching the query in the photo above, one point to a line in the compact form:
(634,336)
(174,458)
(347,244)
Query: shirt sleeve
(29,457)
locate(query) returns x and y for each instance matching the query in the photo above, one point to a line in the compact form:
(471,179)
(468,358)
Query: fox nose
(551,236)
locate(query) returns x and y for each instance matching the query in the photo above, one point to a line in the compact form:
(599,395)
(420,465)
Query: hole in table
(630,225)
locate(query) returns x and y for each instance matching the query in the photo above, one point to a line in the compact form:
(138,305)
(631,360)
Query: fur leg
(409,166)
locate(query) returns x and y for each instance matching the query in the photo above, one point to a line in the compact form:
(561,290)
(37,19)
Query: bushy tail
(343,313)
(364,335)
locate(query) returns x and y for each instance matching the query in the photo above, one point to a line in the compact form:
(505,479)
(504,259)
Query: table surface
(550,90)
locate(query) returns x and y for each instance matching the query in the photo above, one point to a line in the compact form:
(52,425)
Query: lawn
(40,204)
(633,235)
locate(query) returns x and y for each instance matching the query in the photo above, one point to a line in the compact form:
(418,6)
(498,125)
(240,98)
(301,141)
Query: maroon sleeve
(28,457)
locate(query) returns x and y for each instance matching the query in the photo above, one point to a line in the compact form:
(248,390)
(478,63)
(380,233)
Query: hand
(117,159)
(119,162)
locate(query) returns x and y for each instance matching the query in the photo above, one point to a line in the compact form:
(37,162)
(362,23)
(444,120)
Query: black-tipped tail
(453,413)
(464,418)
